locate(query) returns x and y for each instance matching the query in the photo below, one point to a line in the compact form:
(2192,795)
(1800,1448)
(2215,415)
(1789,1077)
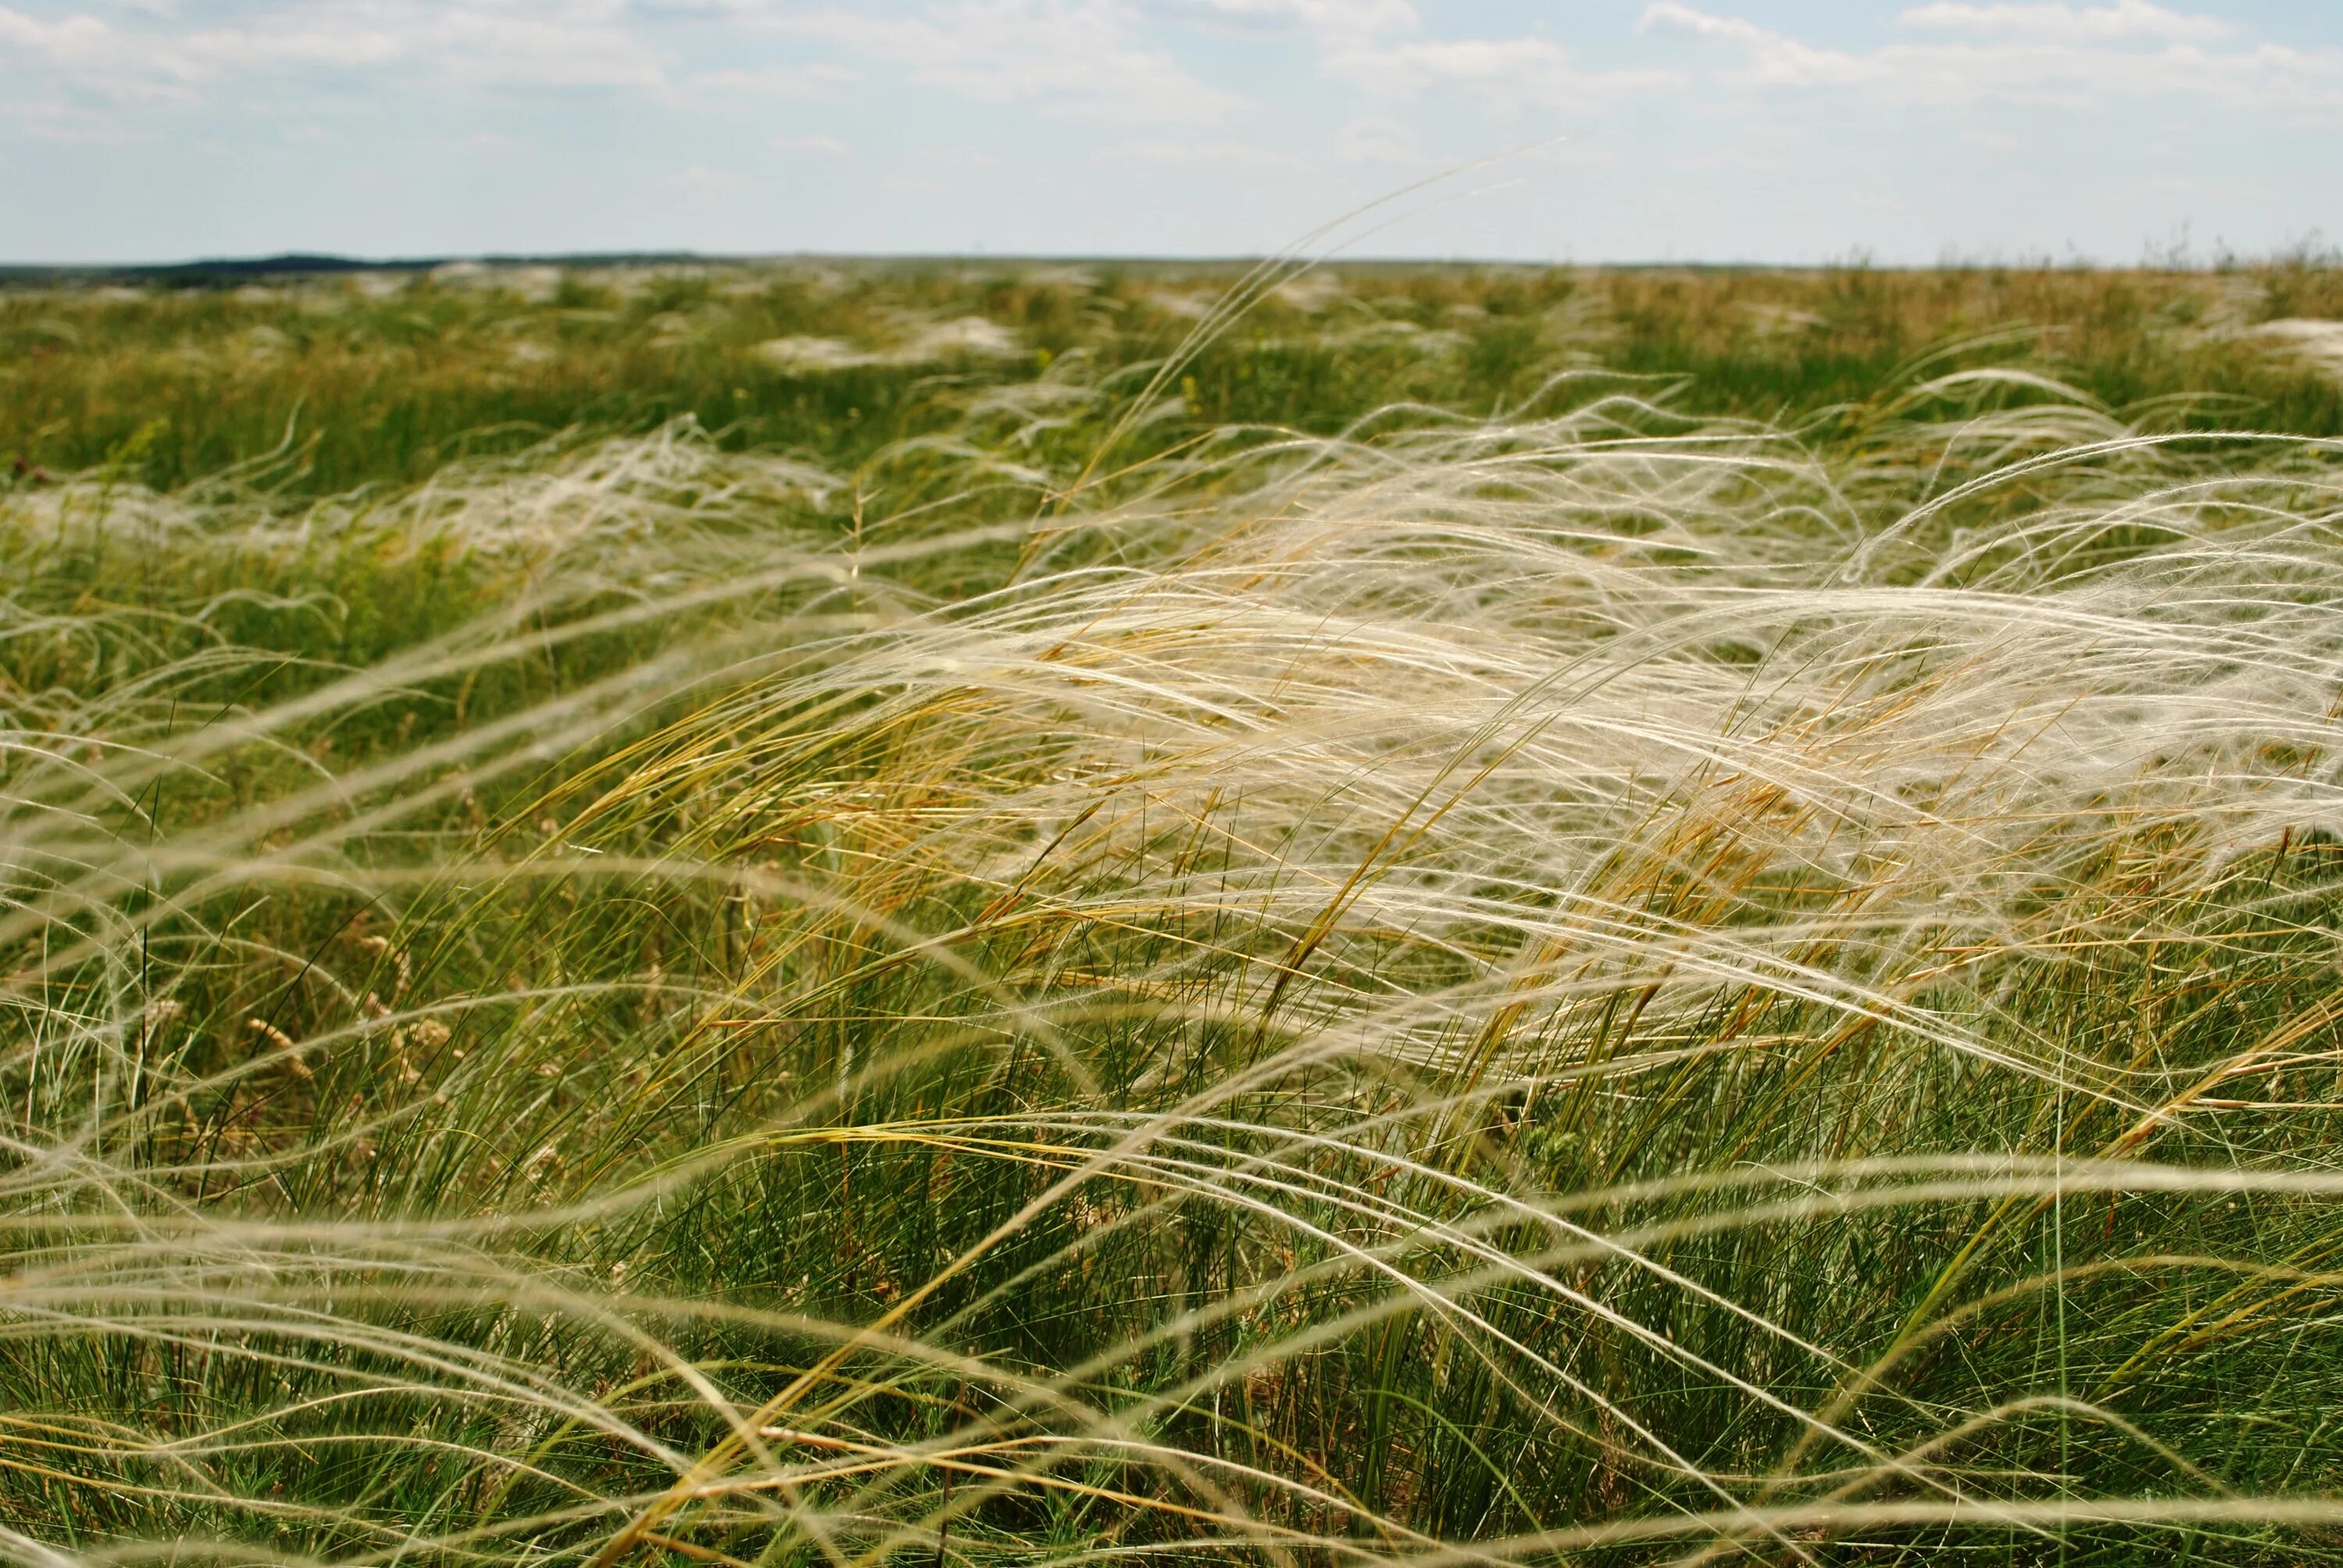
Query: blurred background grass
(383,379)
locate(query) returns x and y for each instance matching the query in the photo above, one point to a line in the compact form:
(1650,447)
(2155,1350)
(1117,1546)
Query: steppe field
(970,915)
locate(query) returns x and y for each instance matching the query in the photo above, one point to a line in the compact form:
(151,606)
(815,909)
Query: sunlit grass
(1600,983)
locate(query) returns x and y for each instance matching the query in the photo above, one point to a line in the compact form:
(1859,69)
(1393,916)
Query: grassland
(964,917)
(387,379)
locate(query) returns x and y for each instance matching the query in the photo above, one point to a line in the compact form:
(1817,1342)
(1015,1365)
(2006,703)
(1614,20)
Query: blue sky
(1680,129)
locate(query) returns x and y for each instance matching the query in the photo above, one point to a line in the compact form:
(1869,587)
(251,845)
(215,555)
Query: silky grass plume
(1591,983)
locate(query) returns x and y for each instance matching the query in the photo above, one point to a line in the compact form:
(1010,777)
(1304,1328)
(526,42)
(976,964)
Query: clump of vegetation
(1513,960)
(386,379)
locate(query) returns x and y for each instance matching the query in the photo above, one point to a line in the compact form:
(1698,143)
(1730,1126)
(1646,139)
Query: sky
(1567,130)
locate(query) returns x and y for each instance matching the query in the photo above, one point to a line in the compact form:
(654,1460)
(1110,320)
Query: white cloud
(1774,58)
(215,52)
(814,145)
(1381,45)
(87,52)
(1508,73)
(2056,54)
(73,37)
(1082,59)
(1339,20)
(576,44)
(500,43)
(2069,23)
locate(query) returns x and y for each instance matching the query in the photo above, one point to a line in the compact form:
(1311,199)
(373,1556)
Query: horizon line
(299,263)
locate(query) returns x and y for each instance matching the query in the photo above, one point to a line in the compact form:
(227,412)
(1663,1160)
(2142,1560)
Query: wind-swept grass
(1600,984)
(385,380)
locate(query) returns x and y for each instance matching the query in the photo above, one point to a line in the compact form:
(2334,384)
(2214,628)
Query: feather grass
(1594,985)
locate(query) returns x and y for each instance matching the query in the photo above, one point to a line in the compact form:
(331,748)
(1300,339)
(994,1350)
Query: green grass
(1525,918)
(361,387)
